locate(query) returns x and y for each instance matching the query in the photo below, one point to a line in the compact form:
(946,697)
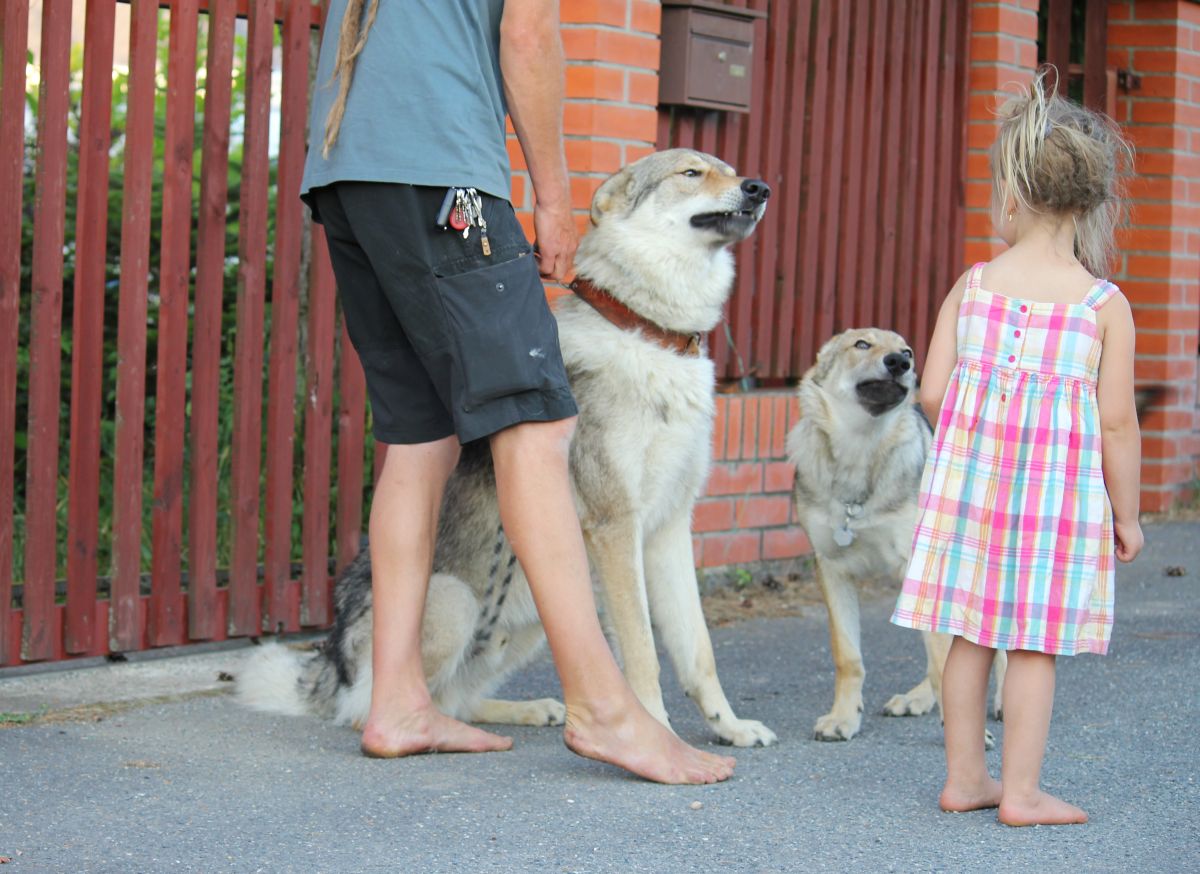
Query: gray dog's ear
(825,359)
(612,195)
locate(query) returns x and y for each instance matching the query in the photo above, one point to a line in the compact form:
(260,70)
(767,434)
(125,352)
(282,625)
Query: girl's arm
(943,352)
(1121,445)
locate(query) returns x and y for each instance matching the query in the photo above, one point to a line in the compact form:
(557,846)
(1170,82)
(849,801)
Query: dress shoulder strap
(975,275)
(1100,293)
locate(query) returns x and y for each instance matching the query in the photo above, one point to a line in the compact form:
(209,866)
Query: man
(410,101)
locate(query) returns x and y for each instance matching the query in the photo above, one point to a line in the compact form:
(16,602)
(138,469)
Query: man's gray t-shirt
(426,103)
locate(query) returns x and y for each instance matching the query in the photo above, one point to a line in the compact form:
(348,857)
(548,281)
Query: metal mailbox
(707,54)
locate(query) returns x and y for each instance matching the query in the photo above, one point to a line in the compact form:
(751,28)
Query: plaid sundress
(1014,544)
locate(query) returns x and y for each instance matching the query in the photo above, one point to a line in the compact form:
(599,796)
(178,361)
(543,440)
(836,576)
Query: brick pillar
(1158,269)
(1003,53)
(610,118)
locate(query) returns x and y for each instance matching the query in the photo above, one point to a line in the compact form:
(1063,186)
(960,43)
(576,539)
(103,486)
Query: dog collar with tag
(619,314)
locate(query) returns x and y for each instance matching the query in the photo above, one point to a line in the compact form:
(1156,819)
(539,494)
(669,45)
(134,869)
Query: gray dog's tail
(284,679)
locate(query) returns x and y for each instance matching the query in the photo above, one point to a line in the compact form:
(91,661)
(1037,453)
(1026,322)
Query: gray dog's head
(681,192)
(872,366)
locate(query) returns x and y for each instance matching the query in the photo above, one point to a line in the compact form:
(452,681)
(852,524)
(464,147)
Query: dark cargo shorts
(451,341)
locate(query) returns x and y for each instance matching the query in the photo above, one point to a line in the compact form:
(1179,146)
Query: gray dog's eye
(862,344)
(908,353)
(691,174)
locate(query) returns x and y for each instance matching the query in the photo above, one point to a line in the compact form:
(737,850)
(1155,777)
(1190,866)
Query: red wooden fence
(39,618)
(857,124)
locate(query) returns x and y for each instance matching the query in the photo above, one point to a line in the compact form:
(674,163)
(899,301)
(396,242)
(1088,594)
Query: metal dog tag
(843,536)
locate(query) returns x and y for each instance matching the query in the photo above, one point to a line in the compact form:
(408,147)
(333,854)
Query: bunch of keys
(462,209)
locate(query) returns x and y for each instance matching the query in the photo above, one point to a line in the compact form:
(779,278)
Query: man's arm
(533,67)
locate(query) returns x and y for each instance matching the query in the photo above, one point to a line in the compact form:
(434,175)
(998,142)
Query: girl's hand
(1129,539)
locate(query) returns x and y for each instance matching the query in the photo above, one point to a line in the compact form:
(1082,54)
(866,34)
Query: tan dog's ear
(612,194)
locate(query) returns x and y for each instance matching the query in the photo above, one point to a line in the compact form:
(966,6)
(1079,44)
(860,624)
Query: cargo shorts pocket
(504,334)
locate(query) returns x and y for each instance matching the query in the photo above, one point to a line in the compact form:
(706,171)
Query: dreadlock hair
(1054,156)
(356,23)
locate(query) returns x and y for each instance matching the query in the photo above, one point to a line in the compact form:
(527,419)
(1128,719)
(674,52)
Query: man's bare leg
(403,527)
(605,720)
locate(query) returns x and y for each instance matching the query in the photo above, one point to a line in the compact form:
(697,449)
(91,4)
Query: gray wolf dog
(859,449)
(655,270)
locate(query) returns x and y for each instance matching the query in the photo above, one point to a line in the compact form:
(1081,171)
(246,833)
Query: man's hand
(554,242)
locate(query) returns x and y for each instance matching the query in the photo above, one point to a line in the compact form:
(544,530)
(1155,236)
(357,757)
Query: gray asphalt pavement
(195,783)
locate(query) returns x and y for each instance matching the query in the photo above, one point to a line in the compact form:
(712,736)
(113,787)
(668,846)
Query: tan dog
(859,450)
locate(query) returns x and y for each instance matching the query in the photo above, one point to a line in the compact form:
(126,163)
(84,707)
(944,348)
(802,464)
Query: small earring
(1010,216)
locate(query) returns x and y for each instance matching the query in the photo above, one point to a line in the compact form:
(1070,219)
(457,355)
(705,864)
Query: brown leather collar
(605,304)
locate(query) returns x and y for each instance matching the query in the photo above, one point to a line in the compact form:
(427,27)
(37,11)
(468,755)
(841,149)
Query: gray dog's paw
(831,726)
(909,704)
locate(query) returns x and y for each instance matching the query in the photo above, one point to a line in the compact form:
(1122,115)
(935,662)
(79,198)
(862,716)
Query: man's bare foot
(426,731)
(1040,809)
(632,739)
(960,799)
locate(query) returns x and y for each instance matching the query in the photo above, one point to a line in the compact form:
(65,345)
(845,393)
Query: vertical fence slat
(814,171)
(833,224)
(906,261)
(889,202)
(87,363)
(788,202)
(924,206)
(351,430)
(873,99)
(39,637)
(165,621)
(281,390)
(244,604)
(203,621)
(848,287)
(125,630)
(949,121)
(314,602)
(1058,37)
(1095,61)
(771,116)
(14,30)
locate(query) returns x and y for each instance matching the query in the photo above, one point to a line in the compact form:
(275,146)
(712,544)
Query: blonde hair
(351,40)
(1054,156)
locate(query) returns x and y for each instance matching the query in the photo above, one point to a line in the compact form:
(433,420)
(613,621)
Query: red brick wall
(747,515)
(1159,267)
(612,49)
(1003,53)
(611,115)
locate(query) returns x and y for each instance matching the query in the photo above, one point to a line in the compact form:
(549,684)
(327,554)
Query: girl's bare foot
(960,799)
(1040,809)
(426,730)
(632,739)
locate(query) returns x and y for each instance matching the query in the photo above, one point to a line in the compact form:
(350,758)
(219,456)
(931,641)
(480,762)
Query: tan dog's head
(681,192)
(869,366)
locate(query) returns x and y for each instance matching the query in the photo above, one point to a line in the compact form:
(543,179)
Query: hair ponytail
(1054,156)
(351,40)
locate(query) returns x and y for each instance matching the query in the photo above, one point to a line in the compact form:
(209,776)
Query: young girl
(1032,480)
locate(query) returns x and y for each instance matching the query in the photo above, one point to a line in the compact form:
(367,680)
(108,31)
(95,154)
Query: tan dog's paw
(542,711)
(833,726)
(917,702)
(545,711)
(743,733)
